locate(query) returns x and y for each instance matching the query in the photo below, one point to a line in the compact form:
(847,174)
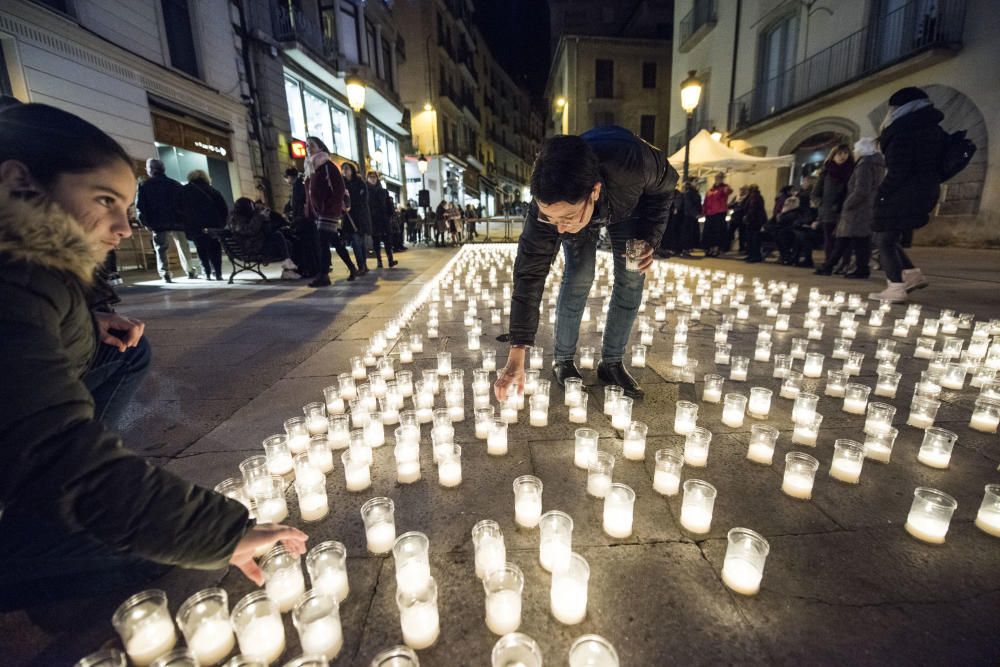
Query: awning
(707,154)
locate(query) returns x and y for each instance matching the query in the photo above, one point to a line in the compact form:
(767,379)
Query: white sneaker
(893,293)
(914,279)
(289,274)
(289,265)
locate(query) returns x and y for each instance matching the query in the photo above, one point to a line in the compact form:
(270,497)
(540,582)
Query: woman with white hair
(854,228)
(202,207)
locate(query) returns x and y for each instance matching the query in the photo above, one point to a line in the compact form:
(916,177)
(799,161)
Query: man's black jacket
(638,184)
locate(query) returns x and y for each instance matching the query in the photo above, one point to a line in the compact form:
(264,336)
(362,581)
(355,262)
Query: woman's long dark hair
(319,142)
(51,142)
(351,166)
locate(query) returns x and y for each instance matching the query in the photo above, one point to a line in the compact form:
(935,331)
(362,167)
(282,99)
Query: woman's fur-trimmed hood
(40,233)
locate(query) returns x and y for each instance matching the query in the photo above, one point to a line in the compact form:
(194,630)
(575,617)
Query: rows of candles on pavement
(358,408)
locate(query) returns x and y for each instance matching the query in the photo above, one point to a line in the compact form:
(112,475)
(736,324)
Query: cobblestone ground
(844,582)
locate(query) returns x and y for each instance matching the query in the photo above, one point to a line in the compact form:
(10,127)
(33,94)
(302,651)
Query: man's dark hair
(566,169)
(292,172)
(30,132)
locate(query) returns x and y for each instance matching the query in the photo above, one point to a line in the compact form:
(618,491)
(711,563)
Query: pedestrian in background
(715,235)
(157,208)
(829,194)
(302,230)
(782,229)
(754,219)
(252,225)
(913,144)
(736,224)
(359,213)
(202,208)
(853,232)
(380,207)
(325,194)
(688,212)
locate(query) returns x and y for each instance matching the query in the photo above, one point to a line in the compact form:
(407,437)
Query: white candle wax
(316,425)
(737,374)
(456,413)
(425,414)
(797,485)
(554,554)
(357,477)
(683,425)
(666,483)
(413,576)
(323,637)
(503,612)
(885,389)
(696,456)
(406,356)
(480,401)
(280,464)
(212,641)
(322,459)
(333,582)
(421,626)
(407,472)
(759,407)
(285,587)
(620,421)
(380,537)
(568,599)
(732,417)
(919,421)
(848,471)
(359,373)
(313,506)
(263,639)
(928,529)
(741,576)
(618,521)
(813,369)
(696,519)
(272,510)
(721,358)
(934,458)
(578,415)
(587,361)
(491,554)
(483,429)
(855,406)
(299,442)
(598,484)
(496,443)
(450,474)
(711,395)
(508,415)
(634,449)
(760,452)
(539,418)
(988,521)
(788,391)
(877,452)
(528,511)
(877,426)
(985,422)
(151,640)
(638,361)
(338,439)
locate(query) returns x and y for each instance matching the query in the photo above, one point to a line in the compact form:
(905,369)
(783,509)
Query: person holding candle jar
(606,177)
(79,513)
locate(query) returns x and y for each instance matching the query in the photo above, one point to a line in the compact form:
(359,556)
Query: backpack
(958,152)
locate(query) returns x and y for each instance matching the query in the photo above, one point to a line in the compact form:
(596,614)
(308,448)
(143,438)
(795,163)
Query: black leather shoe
(615,373)
(564,370)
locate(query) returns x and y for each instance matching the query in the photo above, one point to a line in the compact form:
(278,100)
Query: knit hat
(908,94)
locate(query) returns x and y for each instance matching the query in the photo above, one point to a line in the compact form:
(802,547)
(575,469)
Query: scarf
(904,110)
(315,161)
(839,172)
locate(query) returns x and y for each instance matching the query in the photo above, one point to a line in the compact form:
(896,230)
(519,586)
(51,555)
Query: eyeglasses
(570,219)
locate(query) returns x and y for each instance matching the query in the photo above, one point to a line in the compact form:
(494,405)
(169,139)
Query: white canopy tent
(708,155)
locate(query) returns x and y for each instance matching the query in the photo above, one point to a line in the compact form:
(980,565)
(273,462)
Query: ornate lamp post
(690,96)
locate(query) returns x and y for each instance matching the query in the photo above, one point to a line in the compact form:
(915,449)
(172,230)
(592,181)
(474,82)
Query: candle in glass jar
(936,448)
(263,639)
(985,416)
(618,508)
(738,369)
(639,356)
(697,506)
(988,516)
(848,458)
(568,593)
(733,410)
(800,474)
(759,405)
(856,399)
(930,515)
(450,468)
(696,446)
(578,412)
(527,501)
(587,357)
(496,441)
(761,448)
(667,477)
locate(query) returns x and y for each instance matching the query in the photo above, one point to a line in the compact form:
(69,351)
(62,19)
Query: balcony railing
(292,25)
(696,24)
(912,29)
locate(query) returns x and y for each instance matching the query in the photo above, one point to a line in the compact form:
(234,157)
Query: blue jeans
(113,378)
(360,250)
(580,253)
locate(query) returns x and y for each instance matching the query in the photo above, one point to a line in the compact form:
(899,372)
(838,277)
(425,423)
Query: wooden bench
(239,257)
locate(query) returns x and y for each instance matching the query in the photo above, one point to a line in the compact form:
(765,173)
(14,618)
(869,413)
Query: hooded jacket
(638,184)
(60,464)
(913,146)
(201,207)
(859,204)
(357,189)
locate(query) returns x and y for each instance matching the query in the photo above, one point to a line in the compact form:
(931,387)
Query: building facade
(160,76)
(787,77)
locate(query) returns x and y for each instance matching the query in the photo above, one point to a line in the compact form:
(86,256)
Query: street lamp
(716,135)
(690,96)
(356,93)
(422,164)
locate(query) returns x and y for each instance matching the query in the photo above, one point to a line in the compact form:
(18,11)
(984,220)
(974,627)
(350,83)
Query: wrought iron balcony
(293,25)
(912,29)
(696,24)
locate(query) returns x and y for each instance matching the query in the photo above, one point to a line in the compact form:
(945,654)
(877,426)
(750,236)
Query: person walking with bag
(325,193)
(202,207)
(359,213)
(381,208)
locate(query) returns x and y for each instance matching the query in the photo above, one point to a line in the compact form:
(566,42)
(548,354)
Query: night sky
(517,32)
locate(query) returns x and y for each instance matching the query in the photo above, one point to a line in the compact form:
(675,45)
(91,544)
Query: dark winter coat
(754,213)
(157,206)
(381,209)
(829,193)
(325,193)
(859,204)
(201,207)
(295,209)
(913,146)
(60,464)
(252,229)
(638,184)
(357,188)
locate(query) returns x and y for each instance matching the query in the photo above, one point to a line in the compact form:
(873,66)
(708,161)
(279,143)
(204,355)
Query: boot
(322,280)
(563,370)
(893,293)
(613,372)
(914,279)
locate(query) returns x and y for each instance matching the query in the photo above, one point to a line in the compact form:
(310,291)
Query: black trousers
(894,261)
(382,240)
(209,253)
(843,246)
(334,238)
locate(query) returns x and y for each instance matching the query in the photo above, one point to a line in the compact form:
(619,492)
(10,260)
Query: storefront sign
(171,131)
(297,149)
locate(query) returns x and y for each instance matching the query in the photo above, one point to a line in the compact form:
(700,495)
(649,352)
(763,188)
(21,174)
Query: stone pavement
(843,582)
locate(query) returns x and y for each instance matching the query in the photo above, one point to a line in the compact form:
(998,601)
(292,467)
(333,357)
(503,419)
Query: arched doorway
(811,144)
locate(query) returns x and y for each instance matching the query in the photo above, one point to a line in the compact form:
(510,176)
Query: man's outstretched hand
(511,375)
(265,535)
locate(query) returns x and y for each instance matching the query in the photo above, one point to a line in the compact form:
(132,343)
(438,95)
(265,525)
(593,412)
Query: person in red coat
(715,236)
(325,205)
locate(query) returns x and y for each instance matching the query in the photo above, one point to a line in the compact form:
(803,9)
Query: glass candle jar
(900,328)
(696,445)
(538,412)
(503,586)
(743,566)
(496,441)
(489,546)
(841,348)
(407,457)
(988,517)
(235,488)
(876,318)
(813,365)
(712,390)
(259,630)
(283,579)
(535,357)
(599,473)
(378,515)
(317,619)
(723,352)
(733,409)
(279,456)
(697,506)
(762,440)
(888,363)
(738,368)
(680,355)
(484,421)
(327,566)
(856,398)
(313,502)
(568,594)
(297,434)
(585,447)
(799,348)
(791,385)
(878,418)
(269,500)
(143,622)
(358,369)
(923,411)
(587,355)
(800,474)
(410,553)
(612,393)
(418,616)
(985,415)
(667,474)
(578,412)
(848,457)
(782,365)
(781,322)
(685,418)
(887,384)
(852,364)
(450,466)
(639,356)
(759,405)
(878,446)
(108,657)
(555,540)
(936,448)
(622,416)
(515,648)
(592,651)
(618,509)
(930,515)
(527,501)
(572,391)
